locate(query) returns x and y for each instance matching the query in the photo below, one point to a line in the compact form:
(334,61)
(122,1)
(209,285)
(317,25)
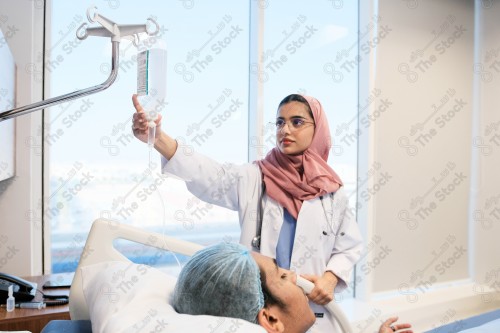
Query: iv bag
(151,80)
(151,85)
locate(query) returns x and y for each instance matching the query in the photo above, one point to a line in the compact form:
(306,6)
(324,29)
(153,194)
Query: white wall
(415,166)
(20,197)
(428,259)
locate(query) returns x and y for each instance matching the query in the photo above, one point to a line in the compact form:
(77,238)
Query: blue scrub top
(285,240)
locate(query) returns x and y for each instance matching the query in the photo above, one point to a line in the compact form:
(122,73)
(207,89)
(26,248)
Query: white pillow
(129,298)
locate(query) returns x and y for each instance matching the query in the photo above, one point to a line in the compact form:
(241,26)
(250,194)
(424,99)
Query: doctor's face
(293,309)
(294,128)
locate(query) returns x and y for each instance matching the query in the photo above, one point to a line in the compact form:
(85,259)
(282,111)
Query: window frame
(255,113)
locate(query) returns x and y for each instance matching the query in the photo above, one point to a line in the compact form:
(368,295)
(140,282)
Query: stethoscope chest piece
(256,242)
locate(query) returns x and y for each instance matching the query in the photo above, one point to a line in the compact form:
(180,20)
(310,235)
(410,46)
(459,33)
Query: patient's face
(297,316)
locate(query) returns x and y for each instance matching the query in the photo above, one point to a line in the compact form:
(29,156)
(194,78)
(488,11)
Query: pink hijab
(280,171)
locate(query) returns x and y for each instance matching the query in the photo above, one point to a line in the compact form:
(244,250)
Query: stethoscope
(329,217)
(256,240)
(260,216)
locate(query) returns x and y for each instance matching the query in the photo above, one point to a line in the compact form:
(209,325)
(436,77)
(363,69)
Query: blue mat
(464,324)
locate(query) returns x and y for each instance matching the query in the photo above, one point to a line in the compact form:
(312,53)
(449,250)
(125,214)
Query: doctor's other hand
(324,286)
(389,327)
(140,126)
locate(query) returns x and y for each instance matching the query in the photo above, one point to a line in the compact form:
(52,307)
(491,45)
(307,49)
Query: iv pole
(109,29)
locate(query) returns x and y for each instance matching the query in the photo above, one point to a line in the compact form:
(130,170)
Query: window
(96,168)
(300,51)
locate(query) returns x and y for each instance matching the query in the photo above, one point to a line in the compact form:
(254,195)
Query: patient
(228,280)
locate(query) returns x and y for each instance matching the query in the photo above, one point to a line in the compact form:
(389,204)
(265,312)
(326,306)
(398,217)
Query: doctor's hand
(389,327)
(140,126)
(324,286)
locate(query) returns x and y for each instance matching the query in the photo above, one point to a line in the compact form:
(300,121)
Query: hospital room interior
(135,133)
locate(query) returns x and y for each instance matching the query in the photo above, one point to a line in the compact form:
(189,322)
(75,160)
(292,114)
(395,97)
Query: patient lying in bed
(228,280)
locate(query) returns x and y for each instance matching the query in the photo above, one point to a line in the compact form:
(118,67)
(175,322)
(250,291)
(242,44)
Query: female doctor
(291,205)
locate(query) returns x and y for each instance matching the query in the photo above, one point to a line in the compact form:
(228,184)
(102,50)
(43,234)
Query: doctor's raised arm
(291,205)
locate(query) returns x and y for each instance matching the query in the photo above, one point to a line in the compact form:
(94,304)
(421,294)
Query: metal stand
(109,29)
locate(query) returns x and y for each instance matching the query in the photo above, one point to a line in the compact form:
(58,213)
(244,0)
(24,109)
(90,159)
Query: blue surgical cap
(220,280)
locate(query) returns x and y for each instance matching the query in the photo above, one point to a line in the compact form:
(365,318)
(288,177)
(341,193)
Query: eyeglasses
(294,124)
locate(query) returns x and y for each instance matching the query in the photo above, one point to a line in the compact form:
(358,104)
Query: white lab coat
(326,238)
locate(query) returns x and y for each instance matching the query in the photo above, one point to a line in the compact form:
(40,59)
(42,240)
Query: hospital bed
(99,251)
(101,261)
